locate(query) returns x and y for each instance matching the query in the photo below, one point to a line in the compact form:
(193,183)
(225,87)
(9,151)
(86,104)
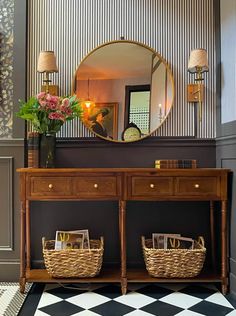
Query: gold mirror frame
(112,105)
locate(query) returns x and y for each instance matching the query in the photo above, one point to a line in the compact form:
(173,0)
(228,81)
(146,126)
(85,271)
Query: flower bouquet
(47,113)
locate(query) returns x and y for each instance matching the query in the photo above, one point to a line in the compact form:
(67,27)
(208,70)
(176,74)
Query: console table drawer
(151,186)
(197,186)
(50,186)
(96,186)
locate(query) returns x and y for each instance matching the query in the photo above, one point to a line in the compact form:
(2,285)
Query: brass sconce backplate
(193,94)
(52,89)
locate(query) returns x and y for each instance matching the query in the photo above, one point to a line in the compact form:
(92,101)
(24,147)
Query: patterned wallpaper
(171,27)
(6,67)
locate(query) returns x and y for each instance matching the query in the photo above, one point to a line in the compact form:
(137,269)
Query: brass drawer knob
(196,186)
(152,186)
(50,186)
(95,185)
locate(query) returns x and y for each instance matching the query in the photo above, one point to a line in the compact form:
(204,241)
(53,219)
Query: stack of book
(175,164)
(72,239)
(33,149)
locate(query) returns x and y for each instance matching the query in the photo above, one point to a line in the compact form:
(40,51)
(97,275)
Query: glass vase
(47,150)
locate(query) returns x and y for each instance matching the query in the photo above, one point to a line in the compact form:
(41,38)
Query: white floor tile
(181,300)
(189,313)
(138,313)
(86,313)
(48,299)
(88,300)
(233,313)
(135,299)
(218,298)
(40,313)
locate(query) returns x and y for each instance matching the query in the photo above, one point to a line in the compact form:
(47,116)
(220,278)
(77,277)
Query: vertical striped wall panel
(173,28)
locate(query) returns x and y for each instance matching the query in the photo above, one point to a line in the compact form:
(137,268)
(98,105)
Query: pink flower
(42,104)
(51,105)
(56,116)
(52,98)
(66,102)
(66,110)
(41,95)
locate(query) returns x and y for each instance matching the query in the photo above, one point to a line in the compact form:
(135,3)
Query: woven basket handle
(102,242)
(201,241)
(143,241)
(43,242)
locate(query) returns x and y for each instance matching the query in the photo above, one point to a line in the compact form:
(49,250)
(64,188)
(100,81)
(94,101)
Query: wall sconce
(47,64)
(198,63)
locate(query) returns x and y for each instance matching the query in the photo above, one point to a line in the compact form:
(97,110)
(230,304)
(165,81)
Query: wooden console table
(122,184)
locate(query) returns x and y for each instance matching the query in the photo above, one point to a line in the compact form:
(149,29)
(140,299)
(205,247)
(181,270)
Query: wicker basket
(174,263)
(70,263)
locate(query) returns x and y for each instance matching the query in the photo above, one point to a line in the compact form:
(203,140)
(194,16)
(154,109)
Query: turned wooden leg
(224,254)
(213,258)
(22,282)
(122,225)
(22,249)
(124,285)
(224,288)
(27,234)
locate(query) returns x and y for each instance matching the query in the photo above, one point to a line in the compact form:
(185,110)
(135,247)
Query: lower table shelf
(141,275)
(105,276)
(113,275)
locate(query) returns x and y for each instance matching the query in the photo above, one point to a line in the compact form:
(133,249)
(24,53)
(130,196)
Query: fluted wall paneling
(171,27)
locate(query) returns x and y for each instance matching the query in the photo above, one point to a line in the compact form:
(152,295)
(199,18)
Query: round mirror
(126,89)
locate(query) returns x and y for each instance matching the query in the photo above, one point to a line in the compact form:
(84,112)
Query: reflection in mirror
(123,82)
(137,109)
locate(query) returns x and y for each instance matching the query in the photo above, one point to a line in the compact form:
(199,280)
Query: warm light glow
(88,104)
(159,105)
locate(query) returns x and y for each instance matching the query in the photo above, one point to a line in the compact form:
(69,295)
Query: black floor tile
(210,309)
(65,293)
(198,291)
(62,308)
(112,308)
(161,309)
(111,291)
(231,299)
(154,291)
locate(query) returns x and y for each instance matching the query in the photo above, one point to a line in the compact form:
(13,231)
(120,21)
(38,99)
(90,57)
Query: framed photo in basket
(69,240)
(159,240)
(85,232)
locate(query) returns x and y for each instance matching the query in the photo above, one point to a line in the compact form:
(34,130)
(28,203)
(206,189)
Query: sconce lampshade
(198,61)
(47,62)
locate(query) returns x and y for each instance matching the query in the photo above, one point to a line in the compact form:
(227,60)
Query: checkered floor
(141,300)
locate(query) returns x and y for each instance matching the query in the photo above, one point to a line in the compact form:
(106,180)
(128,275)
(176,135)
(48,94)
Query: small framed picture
(160,240)
(69,240)
(101,118)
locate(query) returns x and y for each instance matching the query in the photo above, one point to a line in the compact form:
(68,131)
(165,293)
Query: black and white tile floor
(141,300)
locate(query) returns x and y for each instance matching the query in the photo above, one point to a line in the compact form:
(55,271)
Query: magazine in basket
(76,239)
(171,241)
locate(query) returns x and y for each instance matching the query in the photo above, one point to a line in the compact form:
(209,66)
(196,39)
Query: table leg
(212,222)
(27,221)
(22,248)
(122,225)
(224,250)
